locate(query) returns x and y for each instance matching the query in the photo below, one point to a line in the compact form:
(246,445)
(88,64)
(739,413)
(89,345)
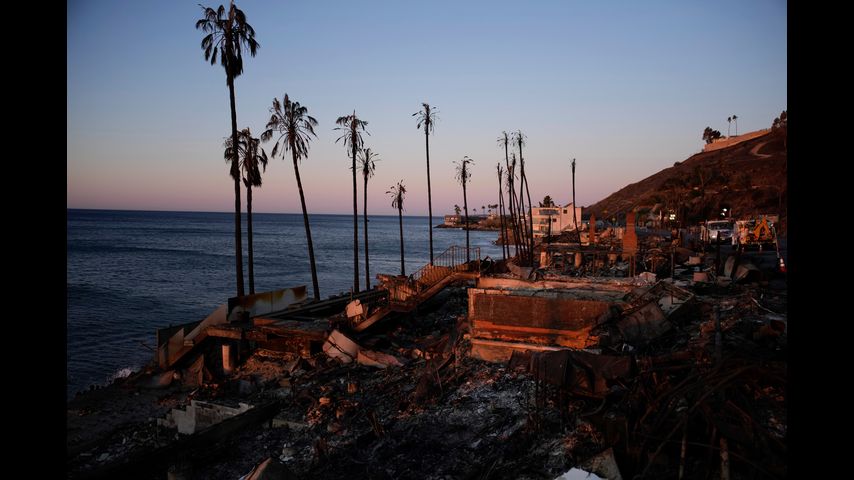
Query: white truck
(712,230)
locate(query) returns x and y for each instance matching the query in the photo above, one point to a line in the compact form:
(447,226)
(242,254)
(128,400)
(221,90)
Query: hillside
(748,178)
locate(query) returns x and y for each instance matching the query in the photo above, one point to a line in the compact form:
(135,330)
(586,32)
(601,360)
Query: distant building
(560,218)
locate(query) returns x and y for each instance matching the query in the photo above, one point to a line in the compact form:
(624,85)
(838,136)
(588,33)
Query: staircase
(406,293)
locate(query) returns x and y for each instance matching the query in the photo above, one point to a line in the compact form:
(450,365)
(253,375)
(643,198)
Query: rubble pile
(683,380)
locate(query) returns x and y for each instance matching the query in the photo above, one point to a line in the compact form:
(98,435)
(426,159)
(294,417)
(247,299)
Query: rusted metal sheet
(225,332)
(297,328)
(265,303)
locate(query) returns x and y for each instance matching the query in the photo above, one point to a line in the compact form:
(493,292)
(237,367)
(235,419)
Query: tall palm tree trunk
(529,227)
(530,222)
(400,221)
(523,227)
(510,195)
(429,193)
(520,225)
(307,229)
(504,247)
(574,220)
(367,262)
(238,239)
(249,238)
(466,209)
(355,229)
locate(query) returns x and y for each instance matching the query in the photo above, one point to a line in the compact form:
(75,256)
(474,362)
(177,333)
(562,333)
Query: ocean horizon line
(242,212)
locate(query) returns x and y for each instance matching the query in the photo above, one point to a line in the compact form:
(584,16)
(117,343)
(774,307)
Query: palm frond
(463,173)
(426,117)
(295,126)
(227,36)
(367,163)
(398,194)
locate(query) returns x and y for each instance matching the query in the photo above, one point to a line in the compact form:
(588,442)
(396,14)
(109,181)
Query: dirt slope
(749,178)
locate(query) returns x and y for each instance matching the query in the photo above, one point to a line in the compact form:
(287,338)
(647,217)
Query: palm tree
(295,127)
(735,119)
(504,247)
(463,176)
(366,162)
(426,118)
(519,140)
(574,220)
(504,141)
(351,125)
(251,179)
(398,192)
(457,209)
(729,122)
(251,159)
(515,220)
(227,36)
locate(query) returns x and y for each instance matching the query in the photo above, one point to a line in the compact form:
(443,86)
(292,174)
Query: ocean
(131,272)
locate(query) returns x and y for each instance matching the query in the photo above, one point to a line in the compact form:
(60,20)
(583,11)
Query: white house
(560,218)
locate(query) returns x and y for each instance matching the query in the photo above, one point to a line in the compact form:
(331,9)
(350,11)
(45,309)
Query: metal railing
(448,262)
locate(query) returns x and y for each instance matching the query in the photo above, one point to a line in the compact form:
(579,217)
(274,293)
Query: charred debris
(623,356)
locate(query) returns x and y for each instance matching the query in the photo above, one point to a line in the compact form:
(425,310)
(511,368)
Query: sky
(625,88)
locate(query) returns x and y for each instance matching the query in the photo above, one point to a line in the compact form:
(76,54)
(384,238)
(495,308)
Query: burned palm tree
(517,236)
(253,159)
(574,220)
(504,141)
(463,176)
(426,118)
(228,34)
(367,165)
(519,140)
(351,124)
(398,193)
(295,126)
(504,247)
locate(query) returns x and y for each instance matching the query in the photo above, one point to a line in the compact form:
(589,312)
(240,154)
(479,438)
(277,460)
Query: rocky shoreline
(476,227)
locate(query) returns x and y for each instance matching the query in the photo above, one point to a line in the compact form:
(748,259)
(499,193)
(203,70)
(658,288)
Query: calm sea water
(129,272)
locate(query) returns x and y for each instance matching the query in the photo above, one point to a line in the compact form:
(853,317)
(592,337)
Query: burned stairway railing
(406,293)
(410,291)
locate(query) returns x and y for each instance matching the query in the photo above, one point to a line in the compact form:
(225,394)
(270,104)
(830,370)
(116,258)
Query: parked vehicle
(759,232)
(714,230)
